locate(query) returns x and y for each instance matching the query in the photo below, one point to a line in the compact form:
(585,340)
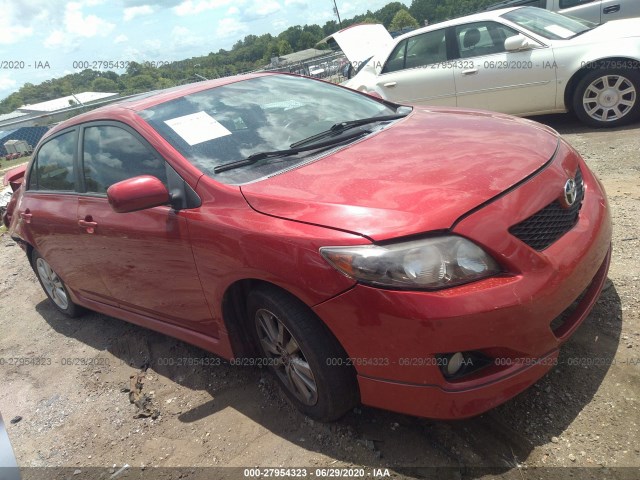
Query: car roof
(146,100)
(476,17)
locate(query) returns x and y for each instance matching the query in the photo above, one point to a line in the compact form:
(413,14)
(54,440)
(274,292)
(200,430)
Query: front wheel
(305,357)
(608,97)
(54,287)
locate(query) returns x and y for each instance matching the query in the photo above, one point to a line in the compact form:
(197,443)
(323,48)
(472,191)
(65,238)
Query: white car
(597,11)
(522,61)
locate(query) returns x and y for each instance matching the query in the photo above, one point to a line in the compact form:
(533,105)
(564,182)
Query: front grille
(546,226)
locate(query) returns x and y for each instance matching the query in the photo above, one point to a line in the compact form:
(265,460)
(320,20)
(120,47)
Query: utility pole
(335,9)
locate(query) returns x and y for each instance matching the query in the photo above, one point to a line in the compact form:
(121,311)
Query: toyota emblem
(570,192)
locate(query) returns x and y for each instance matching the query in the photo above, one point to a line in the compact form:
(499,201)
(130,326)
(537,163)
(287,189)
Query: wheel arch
(588,66)
(234,314)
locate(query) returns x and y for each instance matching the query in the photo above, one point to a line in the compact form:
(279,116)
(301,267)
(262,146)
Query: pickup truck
(597,11)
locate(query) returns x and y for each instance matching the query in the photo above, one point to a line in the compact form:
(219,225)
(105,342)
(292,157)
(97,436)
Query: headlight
(428,264)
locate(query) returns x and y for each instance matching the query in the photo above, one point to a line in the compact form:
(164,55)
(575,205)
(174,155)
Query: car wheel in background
(307,360)
(608,97)
(54,287)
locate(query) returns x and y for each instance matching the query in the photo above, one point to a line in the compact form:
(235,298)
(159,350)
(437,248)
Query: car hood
(360,42)
(610,31)
(418,175)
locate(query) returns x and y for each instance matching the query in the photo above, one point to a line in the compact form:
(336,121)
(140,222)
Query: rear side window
(418,51)
(396,59)
(574,3)
(112,154)
(426,49)
(53,166)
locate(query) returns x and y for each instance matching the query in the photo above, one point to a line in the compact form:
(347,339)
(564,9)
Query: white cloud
(183,37)
(133,12)
(193,7)
(296,3)
(77,26)
(233,11)
(266,7)
(228,27)
(7,83)
(13,34)
(121,39)
(16,22)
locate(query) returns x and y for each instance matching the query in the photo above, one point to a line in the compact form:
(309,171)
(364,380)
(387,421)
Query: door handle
(611,9)
(471,71)
(390,84)
(89,224)
(26,216)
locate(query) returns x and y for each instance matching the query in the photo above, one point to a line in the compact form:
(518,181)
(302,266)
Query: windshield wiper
(342,126)
(251,159)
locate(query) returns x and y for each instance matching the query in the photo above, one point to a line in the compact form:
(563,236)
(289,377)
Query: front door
(144,258)
(507,82)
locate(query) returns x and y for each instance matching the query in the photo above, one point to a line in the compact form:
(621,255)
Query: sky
(45,39)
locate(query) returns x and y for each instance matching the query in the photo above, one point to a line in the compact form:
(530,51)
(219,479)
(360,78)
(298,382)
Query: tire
(54,287)
(302,353)
(608,97)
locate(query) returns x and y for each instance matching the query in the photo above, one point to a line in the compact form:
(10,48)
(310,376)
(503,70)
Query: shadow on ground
(499,440)
(566,123)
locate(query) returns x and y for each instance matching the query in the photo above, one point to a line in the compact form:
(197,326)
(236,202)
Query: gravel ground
(76,411)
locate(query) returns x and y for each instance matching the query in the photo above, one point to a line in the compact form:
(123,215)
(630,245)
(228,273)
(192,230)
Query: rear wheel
(307,360)
(54,287)
(608,97)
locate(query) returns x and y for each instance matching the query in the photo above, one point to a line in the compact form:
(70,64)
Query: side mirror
(517,43)
(137,193)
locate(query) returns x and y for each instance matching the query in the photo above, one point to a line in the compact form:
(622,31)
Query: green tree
(386,13)
(284,48)
(423,10)
(102,84)
(401,20)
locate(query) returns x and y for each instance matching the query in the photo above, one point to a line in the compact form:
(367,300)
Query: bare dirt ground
(75,413)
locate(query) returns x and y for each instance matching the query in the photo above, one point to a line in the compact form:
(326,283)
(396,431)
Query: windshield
(230,123)
(548,24)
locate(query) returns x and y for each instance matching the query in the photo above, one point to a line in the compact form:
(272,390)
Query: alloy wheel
(609,98)
(52,284)
(286,357)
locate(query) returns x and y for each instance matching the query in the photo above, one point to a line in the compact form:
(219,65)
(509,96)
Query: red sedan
(424,260)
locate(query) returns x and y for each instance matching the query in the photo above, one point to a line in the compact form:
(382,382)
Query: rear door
(417,71)
(48,212)
(144,258)
(590,10)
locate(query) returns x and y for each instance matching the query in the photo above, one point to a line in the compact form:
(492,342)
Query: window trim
(82,188)
(405,41)
(579,4)
(456,46)
(448,52)
(34,164)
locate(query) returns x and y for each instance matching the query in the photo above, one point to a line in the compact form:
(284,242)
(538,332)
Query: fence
(331,67)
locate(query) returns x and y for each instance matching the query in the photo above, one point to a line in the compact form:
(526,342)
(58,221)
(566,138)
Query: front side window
(53,166)
(482,38)
(112,154)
